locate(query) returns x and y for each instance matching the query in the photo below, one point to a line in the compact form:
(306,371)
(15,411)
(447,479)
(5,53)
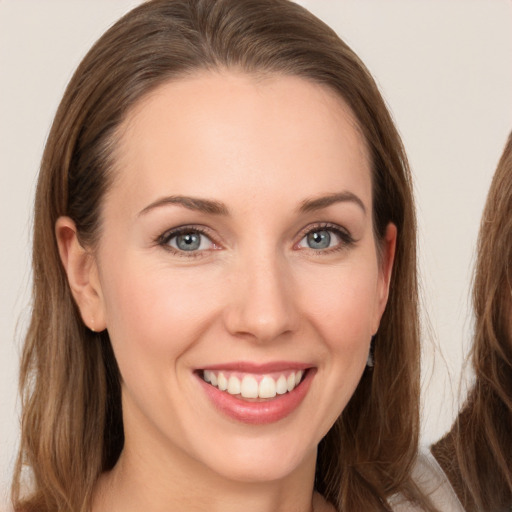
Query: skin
(255,291)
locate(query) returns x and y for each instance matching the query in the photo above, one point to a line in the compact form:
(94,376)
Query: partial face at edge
(237,238)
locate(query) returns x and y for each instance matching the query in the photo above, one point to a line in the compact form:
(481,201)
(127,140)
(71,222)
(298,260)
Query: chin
(259,470)
(260,460)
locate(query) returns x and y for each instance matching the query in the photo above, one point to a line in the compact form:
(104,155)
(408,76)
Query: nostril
(259,327)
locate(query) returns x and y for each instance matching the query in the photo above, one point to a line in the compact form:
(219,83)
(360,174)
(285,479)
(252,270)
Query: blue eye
(322,238)
(318,239)
(188,241)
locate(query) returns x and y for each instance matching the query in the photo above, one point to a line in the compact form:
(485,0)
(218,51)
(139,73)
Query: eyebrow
(217,208)
(311,205)
(191,203)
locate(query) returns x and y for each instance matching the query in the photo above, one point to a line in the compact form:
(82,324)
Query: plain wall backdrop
(444,70)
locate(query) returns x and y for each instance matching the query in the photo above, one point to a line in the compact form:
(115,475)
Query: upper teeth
(253,386)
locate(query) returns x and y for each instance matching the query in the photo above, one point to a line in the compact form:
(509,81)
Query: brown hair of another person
(477,452)
(72,424)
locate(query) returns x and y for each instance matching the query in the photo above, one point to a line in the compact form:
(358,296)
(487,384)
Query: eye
(318,239)
(322,238)
(187,240)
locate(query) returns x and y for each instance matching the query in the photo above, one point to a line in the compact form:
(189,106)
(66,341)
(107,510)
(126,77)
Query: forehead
(192,134)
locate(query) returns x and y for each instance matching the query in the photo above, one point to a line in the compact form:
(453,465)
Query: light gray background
(444,69)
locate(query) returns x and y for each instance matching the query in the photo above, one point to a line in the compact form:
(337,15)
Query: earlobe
(386,269)
(82,273)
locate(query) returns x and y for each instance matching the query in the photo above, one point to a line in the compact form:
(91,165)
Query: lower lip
(259,413)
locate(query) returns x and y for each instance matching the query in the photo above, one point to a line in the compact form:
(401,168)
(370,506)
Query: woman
(476,454)
(223,222)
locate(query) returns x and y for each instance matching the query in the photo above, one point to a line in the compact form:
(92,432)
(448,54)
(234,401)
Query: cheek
(156,311)
(341,312)
(342,305)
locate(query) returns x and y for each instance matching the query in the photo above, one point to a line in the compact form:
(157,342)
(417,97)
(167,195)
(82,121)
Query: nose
(262,306)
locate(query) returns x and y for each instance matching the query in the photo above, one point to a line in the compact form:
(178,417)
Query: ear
(387,257)
(82,273)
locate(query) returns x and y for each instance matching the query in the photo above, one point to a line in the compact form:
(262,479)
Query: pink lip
(264,412)
(249,367)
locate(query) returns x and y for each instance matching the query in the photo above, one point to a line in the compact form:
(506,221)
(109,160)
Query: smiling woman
(231,224)
(271,287)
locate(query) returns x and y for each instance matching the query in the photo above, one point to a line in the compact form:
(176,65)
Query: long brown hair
(477,453)
(72,425)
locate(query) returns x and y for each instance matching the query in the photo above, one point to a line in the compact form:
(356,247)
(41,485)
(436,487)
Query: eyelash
(164,240)
(346,239)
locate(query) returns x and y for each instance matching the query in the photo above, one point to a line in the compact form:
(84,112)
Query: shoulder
(399,503)
(433,482)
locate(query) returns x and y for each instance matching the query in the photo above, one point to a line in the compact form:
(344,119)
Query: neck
(138,483)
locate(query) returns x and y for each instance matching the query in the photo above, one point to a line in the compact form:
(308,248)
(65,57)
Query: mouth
(256,395)
(253,386)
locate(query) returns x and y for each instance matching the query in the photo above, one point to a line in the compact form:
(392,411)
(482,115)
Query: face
(237,272)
